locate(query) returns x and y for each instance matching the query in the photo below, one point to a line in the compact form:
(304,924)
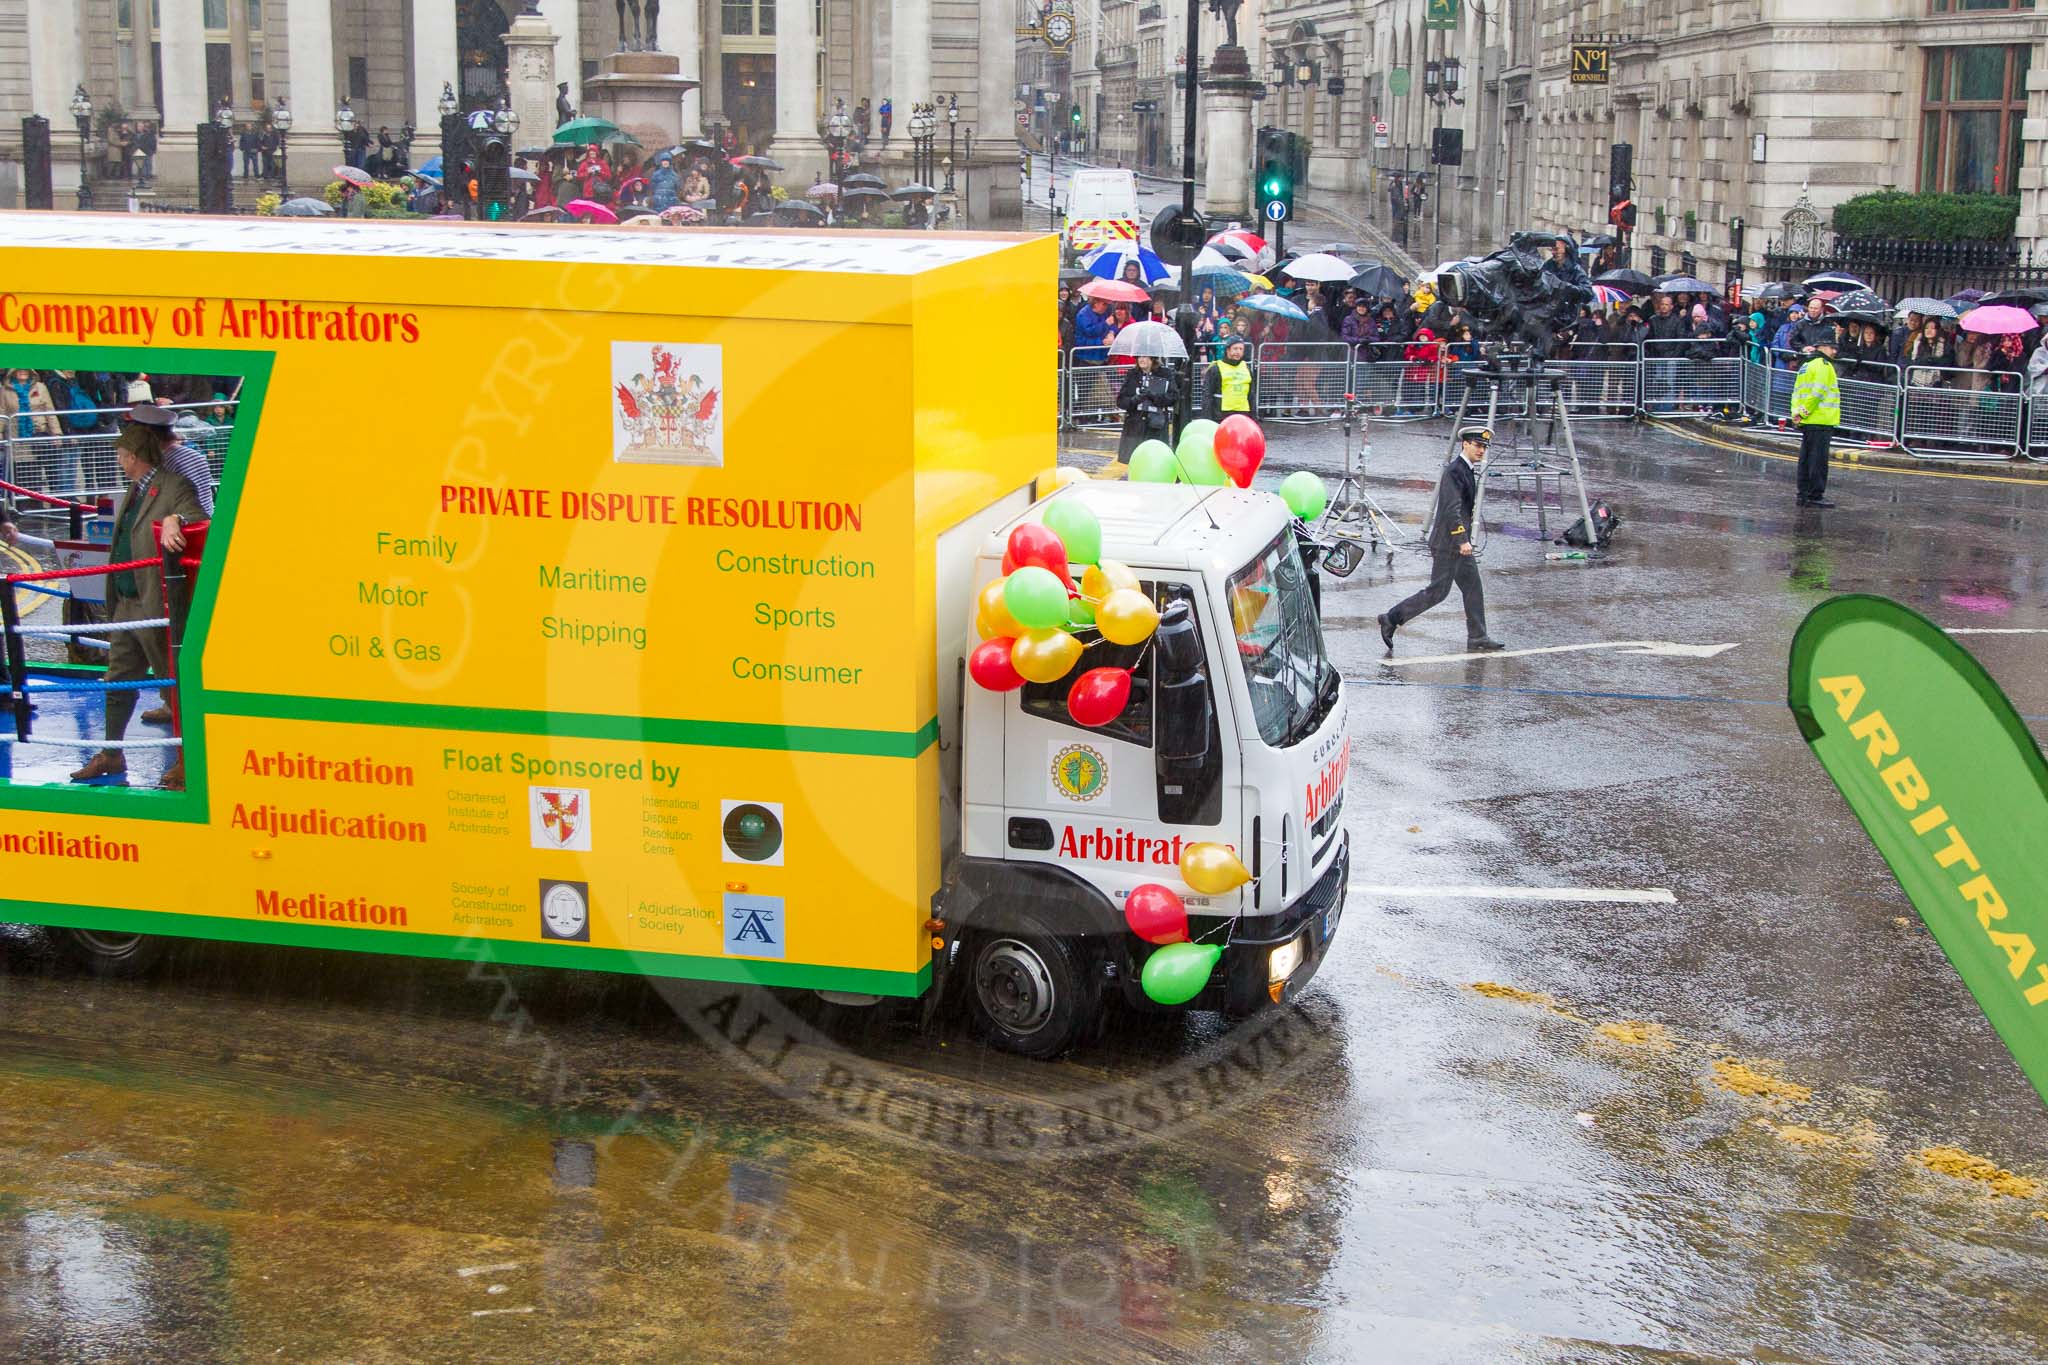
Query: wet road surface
(1556,1116)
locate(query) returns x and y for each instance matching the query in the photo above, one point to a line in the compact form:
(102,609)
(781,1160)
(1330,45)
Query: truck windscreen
(1280,643)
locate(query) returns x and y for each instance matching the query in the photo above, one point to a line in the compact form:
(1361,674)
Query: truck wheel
(1029,990)
(115,956)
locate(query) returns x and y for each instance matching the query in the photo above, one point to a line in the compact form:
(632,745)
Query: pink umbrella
(352,175)
(1999,319)
(1115,291)
(589,211)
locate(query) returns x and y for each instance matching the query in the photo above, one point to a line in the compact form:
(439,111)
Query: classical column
(183,34)
(797,145)
(309,70)
(239,89)
(995,126)
(56,66)
(433,61)
(880,47)
(910,60)
(677,34)
(565,18)
(146,106)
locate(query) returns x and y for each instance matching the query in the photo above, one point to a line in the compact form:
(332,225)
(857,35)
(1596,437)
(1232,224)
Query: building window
(1973,6)
(359,78)
(214,14)
(255,16)
(1974,104)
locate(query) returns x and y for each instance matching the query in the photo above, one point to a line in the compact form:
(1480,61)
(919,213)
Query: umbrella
(1243,236)
(1998,320)
(763,219)
(1861,301)
(304,208)
(1108,262)
(545,212)
(1685,284)
(1114,291)
(1607,296)
(1635,281)
(825,191)
(797,208)
(620,138)
(1149,338)
(1379,281)
(1209,258)
(1777,289)
(530,153)
(1232,249)
(353,176)
(677,214)
(431,166)
(590,211)
(1927,308)
(580,130)
(2017,298)
(1348,250)
(1966,297)
(528,176)
(698,144)
(1597,240)
(1260,280)
(913,192)
(1273,303)
(872,181)
(1320,265)
(1834,279)
(1223,283)
(766,163)
(864,192)
(641,220)
(1071,276)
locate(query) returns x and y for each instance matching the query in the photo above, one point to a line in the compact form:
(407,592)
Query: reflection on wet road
(1534,1114)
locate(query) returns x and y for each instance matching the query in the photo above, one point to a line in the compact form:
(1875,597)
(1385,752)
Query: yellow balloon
(1050,481)
(1212,869)
(991,617)
(1044,656)
(1126,617)
(1100,580)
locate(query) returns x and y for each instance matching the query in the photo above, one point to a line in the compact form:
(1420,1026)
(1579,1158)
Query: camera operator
(1572,289)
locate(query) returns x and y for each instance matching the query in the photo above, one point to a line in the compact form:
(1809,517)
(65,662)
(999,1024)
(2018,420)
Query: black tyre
(1030,990)
(113,955)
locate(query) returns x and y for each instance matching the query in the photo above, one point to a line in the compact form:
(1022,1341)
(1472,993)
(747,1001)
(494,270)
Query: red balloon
(1098,696)
(1240,448)
(990,665)
(1031,543)
(1156,914)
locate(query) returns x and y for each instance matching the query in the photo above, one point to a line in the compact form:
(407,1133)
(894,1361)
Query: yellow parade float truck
(605,599)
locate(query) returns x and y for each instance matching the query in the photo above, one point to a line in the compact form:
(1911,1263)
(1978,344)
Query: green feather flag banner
(1952,789)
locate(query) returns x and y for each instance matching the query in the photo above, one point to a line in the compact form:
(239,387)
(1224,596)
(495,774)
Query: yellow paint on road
(1758,1080)
(1954,1161)
(1637,1033)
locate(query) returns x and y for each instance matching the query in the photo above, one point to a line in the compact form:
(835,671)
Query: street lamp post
(344,124)
(451,141)
(1440,80)
(224,119)
(281,119)
(81,113)
(952,137)
(838,132)
(1052,140)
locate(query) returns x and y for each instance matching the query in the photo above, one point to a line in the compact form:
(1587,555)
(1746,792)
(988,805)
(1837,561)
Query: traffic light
(1075,114)
(1621,208)
(1276,174)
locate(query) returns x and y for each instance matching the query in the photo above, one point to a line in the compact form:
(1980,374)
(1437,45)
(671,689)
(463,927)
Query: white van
(1102,205)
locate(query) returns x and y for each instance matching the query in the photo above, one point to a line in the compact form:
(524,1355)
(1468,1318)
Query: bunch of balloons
(1208,453)
(1178,970)
(1027,619)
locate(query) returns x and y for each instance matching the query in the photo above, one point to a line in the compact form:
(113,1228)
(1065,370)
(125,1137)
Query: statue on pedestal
(1226,10)
(641,37)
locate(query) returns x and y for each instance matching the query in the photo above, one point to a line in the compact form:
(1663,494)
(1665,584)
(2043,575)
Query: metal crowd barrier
(1059,371)
(1206,353)
(2037,427)
(1302,381)
(1392,388)
(1948,422)
(1602,381)
(82,464)
(1870,407)
(1689,378)
(1092,384)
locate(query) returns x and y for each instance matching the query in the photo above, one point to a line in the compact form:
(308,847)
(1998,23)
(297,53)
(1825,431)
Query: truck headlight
(1280,964)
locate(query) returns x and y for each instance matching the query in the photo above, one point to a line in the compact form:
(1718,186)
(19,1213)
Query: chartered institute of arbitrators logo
(559,817)
(1079,772)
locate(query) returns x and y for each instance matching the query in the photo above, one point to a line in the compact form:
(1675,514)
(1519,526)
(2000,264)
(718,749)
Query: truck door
(1102,802)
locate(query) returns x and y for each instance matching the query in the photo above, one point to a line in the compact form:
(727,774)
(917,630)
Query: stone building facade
(770,69)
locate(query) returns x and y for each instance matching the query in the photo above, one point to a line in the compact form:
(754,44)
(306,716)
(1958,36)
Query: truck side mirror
(1343,558)
(1185,707)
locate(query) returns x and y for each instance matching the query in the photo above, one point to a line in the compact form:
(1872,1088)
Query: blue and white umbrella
(1107,262)
(1274,304)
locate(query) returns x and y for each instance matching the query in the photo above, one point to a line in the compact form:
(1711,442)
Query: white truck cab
(1235,733)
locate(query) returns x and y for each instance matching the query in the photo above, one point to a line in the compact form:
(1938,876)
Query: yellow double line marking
(1839,462)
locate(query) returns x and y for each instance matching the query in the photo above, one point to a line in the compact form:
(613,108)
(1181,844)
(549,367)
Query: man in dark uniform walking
(1450,547)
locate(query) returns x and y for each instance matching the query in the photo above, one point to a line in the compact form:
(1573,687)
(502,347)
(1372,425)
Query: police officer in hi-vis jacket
(1450,547)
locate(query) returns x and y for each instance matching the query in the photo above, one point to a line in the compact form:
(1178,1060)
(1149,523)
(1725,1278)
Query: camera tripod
(1354,514)
(1536,457)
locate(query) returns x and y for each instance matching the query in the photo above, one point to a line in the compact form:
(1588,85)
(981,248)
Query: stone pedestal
(530,77)
(642,92)
(1227,176)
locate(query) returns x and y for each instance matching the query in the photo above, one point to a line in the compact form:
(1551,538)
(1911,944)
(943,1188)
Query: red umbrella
(590,211)
(2000,319)
(1115,291)
(352,175)
(1251,240)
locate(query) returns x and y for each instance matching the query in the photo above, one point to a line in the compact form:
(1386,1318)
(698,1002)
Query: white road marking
(1609,895)
(1991,630)
(1655,648)
(468,1270)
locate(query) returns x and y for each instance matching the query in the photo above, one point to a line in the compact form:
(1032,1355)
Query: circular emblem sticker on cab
(1079,772)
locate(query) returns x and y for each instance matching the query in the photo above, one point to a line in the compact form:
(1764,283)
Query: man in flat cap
(1450,547)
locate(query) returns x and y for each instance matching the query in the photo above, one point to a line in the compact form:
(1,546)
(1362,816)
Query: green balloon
(1036,597)
(1176,973)
(1078,528)
(1079,611)
(1197,451)
(1304,494)
(1152,462)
